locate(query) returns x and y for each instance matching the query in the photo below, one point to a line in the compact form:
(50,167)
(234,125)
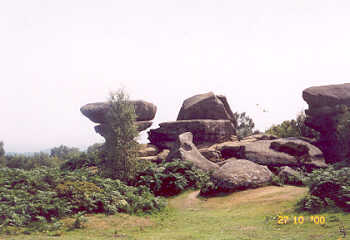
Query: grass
(250,214)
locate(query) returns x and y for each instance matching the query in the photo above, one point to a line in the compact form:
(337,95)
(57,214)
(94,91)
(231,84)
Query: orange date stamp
(301,219)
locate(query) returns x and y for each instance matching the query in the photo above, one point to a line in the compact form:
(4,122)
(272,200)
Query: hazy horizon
(60,55)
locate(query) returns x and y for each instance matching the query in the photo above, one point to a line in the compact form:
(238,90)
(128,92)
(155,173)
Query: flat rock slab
(96,112)
(241,174)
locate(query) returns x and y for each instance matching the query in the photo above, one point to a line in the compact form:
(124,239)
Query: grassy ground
(250,214)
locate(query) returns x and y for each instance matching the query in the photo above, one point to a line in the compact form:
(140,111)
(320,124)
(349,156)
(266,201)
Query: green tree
(245,125)
(119,160)
(64,152)
(293,128)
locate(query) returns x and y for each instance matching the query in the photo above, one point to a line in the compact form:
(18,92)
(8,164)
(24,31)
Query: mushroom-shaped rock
(241,174)
(187,151)
(96,112)
(328,114)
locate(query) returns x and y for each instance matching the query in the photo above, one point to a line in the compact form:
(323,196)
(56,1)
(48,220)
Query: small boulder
(290,176)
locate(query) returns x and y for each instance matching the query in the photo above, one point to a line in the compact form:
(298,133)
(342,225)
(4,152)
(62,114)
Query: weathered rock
(237,151)
(163,155)
(226,161)
(329,95)
(291,148)
(240,174)
(211,154)
(149,159)
(96,112)
(204,131)
(260,136)
(157,158)
(185,150)
(206,106)
(289,176)
(329,114)
(147,150)
(261,153)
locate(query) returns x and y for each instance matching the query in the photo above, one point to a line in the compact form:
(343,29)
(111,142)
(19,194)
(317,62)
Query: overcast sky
(56,56)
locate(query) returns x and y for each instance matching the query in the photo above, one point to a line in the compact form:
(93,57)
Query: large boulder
(239,174)
(96,112)
(206,106)
(185,150)
(328,114)
(204,131)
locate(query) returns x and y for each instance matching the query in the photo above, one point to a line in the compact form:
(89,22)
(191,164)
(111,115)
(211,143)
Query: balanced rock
(239,174)
(328,114)
(96,112)
(206,106)
(185,150)
(204,131)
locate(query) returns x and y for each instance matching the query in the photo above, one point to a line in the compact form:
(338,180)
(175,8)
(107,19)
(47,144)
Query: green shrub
(28,162)
(327,187)
(293,128)
(45,195)
(171,178)
(81,160)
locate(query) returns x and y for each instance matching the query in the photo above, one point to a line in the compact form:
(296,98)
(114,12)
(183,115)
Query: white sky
(56,56)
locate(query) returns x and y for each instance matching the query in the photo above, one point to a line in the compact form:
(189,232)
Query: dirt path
(259,195)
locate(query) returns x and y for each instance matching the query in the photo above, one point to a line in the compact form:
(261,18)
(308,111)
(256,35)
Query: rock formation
(204,131)
(328,114)
(273,153)
(97,112)
(207,116)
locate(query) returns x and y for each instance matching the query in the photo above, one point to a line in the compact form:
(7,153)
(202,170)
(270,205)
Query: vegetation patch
(46,195)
